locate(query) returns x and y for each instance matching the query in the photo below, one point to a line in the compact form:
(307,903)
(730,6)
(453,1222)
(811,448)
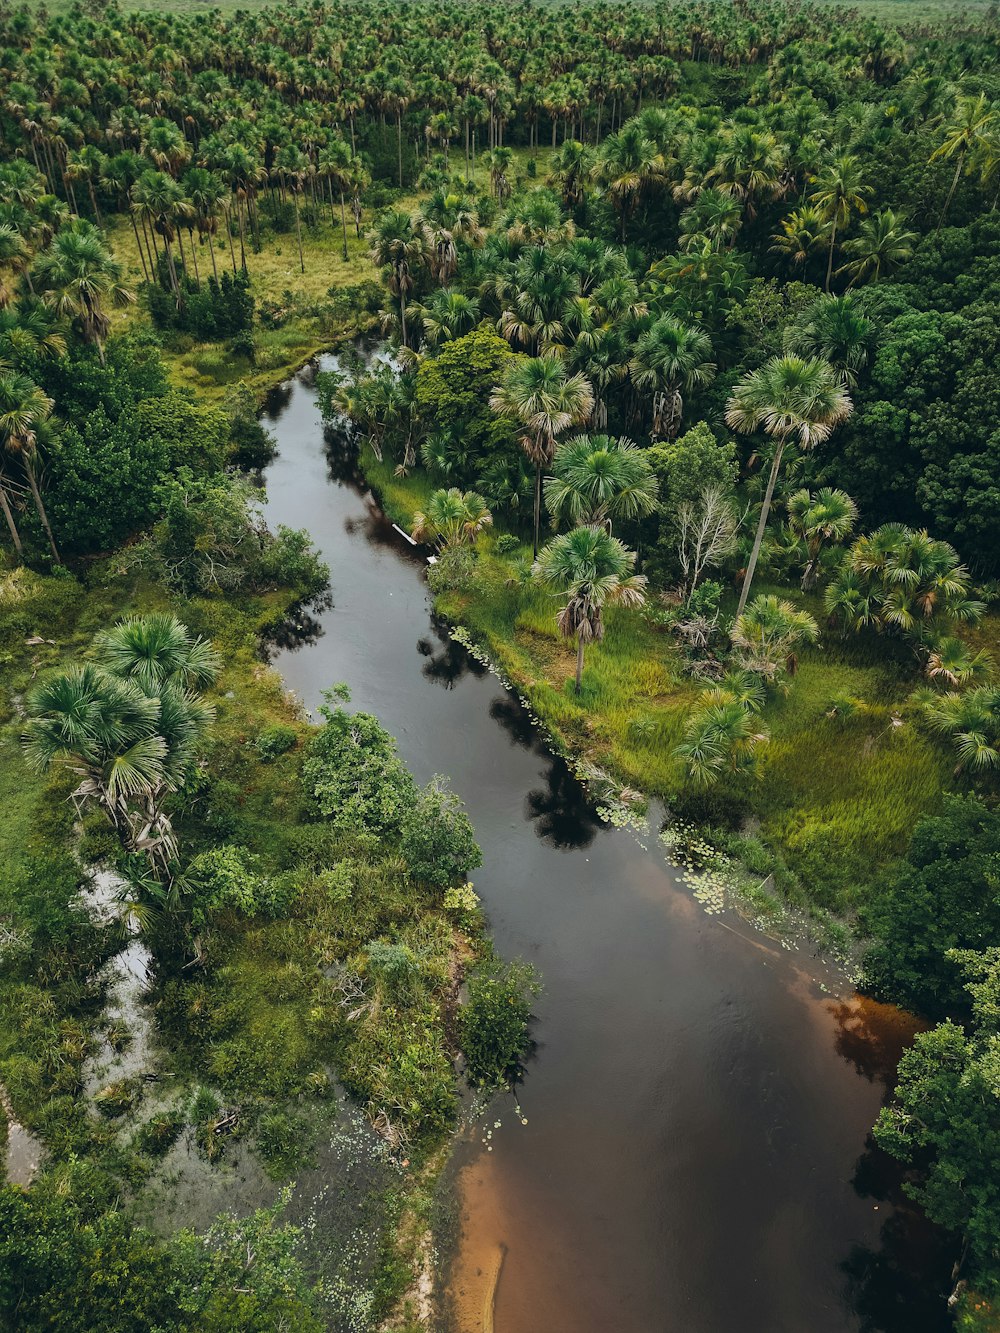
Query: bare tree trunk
(138,246)
(343,222)
(36,495)
(11,525)
(765,509)
(951,192)
(829,264)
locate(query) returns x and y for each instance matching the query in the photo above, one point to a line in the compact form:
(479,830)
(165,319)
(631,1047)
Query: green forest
(692,397)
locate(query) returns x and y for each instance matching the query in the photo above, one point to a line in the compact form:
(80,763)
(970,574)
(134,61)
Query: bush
(438,842)
(275,741)
(354,776)
(229,878)
(455,570)
(507,544)
(493,1024)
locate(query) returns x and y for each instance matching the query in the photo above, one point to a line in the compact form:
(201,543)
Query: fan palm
(834,329)
(972,119)
(769,634)
(828,515)
(790,399)
(453,518)
(718,738)
(592,570)
(398,244)
(76,275)
(448,314)
(972,720)
(157,649)
(803,233)
(24,410)
(671,356)
(544,399)
(628,168)
(952,662)
(598,479)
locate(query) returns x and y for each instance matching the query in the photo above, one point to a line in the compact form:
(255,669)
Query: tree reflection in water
(447,661)
(299,627)
(562,812)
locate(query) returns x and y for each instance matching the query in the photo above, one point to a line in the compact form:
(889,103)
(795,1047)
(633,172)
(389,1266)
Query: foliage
(437,839)
(353,775)
(946,895)
(493,1023)
(228,878)
(453,392)
(945,1118)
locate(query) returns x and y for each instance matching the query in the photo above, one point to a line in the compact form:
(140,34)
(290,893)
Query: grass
(834,800)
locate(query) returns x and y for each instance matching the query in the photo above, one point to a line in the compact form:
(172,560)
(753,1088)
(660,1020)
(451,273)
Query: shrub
(438,842)
(229,878)
(275,741)
(507,543)
(493,1025)
(354,776)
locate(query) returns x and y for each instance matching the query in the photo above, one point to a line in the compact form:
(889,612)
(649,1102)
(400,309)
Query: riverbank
(836,798)
(230,1085)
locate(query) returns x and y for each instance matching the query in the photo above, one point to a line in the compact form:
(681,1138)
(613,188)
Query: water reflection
(561,813)
(447,661)
(872,1036)
(897,1284)
(300,627)
(510,714)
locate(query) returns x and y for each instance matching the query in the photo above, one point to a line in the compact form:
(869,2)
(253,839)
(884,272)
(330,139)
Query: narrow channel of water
(696,1155)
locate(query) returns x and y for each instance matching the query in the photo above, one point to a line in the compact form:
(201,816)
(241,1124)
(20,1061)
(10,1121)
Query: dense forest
(690,316)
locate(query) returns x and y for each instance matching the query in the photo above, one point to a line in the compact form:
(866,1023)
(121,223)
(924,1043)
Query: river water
(696,1155)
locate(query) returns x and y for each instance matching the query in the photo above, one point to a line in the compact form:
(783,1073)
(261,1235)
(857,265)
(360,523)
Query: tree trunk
(243,245)
(579,661)
(229,233)
(194,256)
(343,222)
(138,246)
(402,316)
(954,186)
(538,507)
(765,509)
(11,525)
(298,233)
(36,495)
(399,145)
(211,251)
(829,263)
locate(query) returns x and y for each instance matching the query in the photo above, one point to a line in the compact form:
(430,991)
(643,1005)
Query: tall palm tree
(337,166)
(24,409)
(205,192)
(840,192)
(397,243)
(972,119)
(448,314)
(828,515)
(598,479)
(803,233)
(76,275)
(883,243)
(790,399)
(669,357)
(592,570)
(628,168)
(544,399)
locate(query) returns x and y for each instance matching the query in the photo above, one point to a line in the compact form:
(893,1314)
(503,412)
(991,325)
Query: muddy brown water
(696,1157)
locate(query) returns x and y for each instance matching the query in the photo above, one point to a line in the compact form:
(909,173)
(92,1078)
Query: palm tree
(834,329)
(154,650)
(293,167)
(628,168)
(544,399)
(569,170)
(721,736)
(24,409)
(803,233)
(597,479)
(952,662)
(453,518)
(338,167)
(972,720)
(592,570)
(397,243)
(448,314)
(789,398)
(972,119)
(882,243)
(840,192)
(769,634)
(77,275)
(714,214)
(671,356)
(828,515)
(205,193)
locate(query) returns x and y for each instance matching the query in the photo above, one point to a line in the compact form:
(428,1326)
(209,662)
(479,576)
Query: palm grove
(694,324)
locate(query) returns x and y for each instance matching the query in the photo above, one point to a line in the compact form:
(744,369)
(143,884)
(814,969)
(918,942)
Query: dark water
(696,1157)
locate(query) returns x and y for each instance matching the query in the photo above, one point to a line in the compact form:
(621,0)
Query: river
(696,1154)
